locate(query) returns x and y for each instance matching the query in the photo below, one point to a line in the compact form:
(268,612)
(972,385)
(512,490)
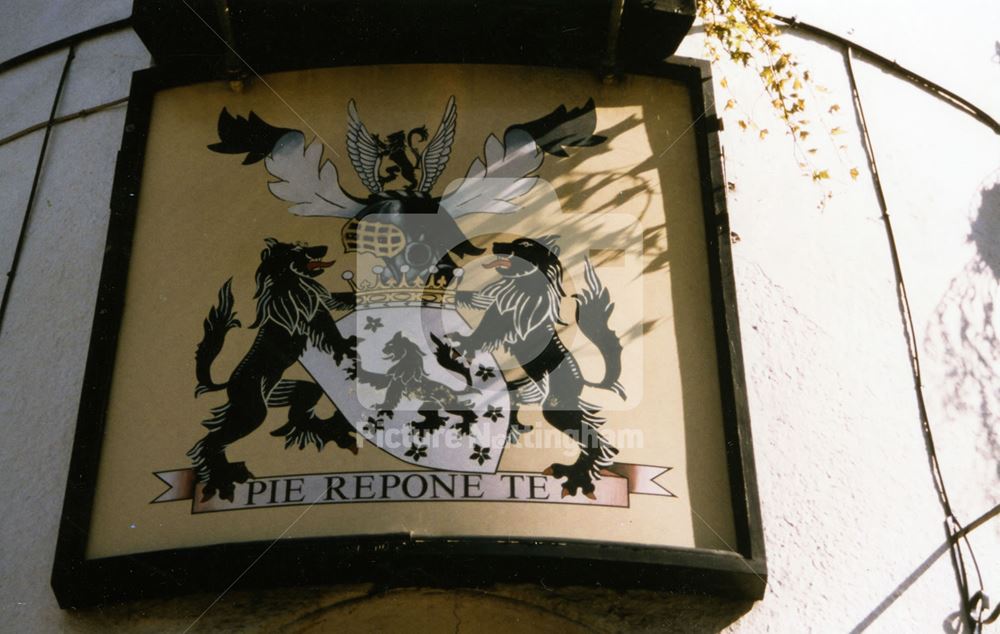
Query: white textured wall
(851,518)
(853,527)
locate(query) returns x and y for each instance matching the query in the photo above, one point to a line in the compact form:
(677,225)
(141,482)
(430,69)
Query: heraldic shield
(407,394)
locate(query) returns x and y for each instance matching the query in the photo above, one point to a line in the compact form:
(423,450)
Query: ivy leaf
(745,32)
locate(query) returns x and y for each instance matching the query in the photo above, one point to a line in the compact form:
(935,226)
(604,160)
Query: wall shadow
(962,334)
(685,256)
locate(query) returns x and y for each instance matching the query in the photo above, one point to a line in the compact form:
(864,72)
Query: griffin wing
(307,180)
(494,183)
(438,151)
(363,150)
(251,135)
(506,172)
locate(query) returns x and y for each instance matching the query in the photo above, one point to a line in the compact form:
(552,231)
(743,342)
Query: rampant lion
(522,312)
(291,311)
(407,377)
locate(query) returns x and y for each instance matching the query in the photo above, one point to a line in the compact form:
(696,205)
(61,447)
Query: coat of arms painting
(444,300)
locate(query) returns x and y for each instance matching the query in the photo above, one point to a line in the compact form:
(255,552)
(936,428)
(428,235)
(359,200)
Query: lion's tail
(593,311)
(221,319)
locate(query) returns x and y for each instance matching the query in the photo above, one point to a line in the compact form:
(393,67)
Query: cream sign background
(632,205)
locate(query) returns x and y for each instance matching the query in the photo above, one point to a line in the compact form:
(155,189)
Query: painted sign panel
(455,302)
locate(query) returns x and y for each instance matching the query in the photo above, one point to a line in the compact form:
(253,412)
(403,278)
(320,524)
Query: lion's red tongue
(499,263)
(318,264)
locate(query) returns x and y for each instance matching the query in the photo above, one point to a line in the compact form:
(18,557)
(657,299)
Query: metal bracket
(236,71)
(610,71)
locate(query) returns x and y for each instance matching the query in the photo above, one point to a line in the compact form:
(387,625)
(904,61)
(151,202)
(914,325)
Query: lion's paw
(345,440)
(464,426)
(577,479)
(223,480)
(352,371)
(429,424)
(347,348)
(295,435)
(460,347)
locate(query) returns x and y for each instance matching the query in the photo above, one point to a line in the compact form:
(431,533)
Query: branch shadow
(962,337)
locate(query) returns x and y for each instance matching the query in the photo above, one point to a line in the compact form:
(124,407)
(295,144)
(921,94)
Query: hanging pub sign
(418,324)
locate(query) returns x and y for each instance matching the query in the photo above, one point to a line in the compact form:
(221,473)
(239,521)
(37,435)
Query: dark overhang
(265,35)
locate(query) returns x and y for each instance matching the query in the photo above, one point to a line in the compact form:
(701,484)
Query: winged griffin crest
(494,183)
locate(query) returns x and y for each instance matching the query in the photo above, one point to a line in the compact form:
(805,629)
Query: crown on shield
(381,286)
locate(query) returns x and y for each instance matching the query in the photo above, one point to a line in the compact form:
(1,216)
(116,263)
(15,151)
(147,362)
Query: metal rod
(610,66)
(955,531)
(234,69)
(71,40)
(16,260)
(937,90)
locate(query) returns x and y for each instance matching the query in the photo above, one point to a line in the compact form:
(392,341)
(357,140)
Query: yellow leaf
(742,124)
(820,175)
(724,83)
(834,108)
(837,130)
(854,173)
(763,133)
(797,85)
(803,134)
(730,104)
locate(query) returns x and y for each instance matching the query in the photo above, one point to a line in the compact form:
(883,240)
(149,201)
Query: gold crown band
(404,297)
(379,294)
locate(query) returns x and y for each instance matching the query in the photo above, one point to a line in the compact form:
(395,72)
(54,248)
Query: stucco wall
(853,527)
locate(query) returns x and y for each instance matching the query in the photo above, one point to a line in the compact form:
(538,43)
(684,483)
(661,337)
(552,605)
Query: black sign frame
(399,559)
